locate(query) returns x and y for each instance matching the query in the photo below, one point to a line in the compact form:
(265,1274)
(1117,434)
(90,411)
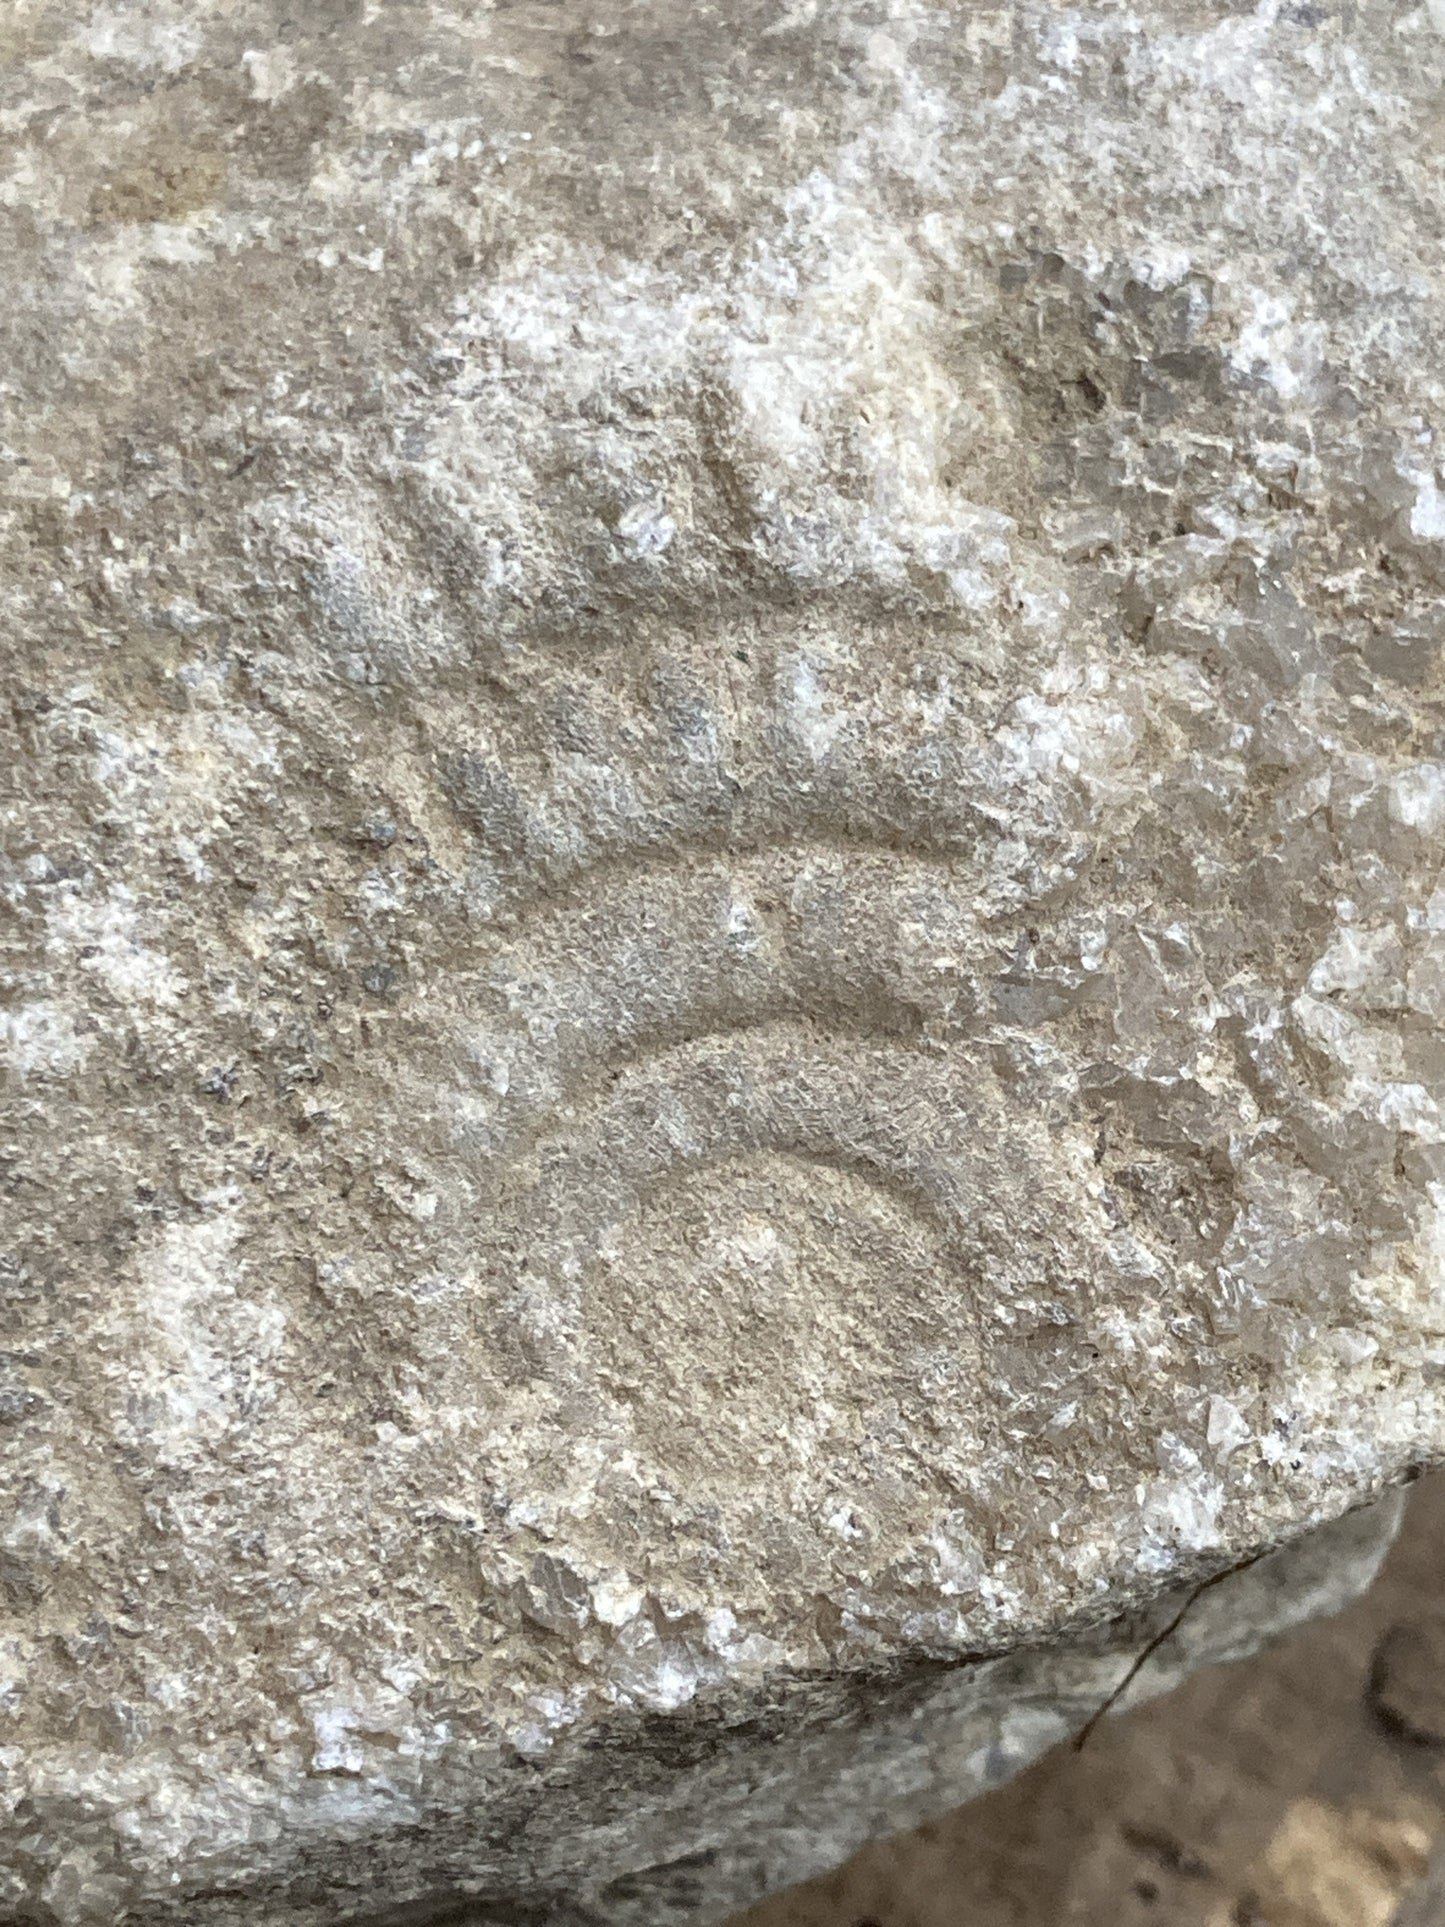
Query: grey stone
(724,781)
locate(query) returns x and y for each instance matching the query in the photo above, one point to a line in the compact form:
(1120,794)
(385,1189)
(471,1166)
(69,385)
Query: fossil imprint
(725,803)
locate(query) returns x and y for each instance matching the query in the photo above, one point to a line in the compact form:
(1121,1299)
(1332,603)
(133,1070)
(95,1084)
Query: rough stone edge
(927,1742)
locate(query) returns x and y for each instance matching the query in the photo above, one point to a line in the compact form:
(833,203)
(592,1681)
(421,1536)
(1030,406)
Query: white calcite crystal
(723,1034)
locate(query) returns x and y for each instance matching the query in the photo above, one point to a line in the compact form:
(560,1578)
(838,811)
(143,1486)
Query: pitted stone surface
(724,953)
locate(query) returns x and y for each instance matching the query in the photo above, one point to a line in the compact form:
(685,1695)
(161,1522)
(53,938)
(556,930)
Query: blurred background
(1302,1788)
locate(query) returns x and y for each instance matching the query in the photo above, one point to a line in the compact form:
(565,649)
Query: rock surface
(724,808)
(1276,1789)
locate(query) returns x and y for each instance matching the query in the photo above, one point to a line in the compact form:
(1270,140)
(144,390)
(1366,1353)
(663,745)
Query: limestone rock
(724,790)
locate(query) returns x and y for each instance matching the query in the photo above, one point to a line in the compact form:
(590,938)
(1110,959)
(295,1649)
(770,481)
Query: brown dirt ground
(1302,1788)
